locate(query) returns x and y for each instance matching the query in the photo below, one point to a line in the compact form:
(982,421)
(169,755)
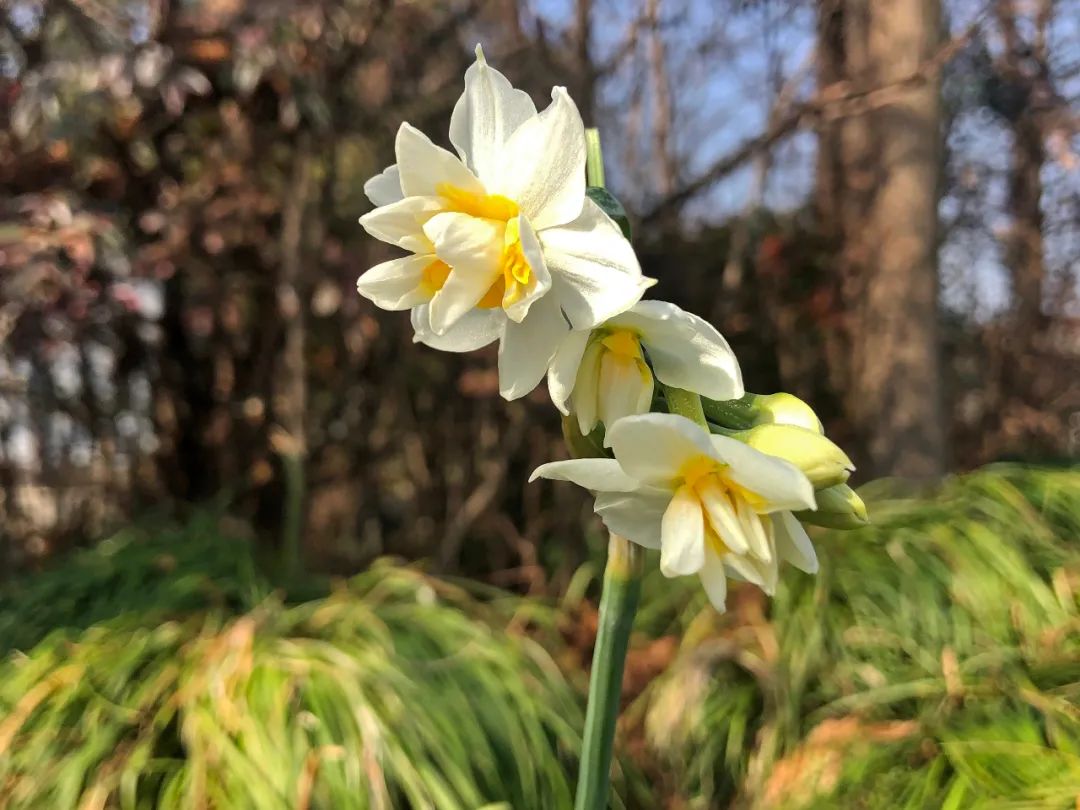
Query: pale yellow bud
(820,459)
(785,409)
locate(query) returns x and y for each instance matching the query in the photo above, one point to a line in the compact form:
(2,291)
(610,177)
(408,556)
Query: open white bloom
(504,245)
(605,374)
(714,506)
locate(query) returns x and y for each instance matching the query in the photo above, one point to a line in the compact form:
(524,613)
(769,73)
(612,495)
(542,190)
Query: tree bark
(878,192)
(586,95)
(290,379)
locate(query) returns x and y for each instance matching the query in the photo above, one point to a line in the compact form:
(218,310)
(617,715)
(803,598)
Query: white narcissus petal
(527,348)
(793,543)
(721,515)
(485,116)
(685,351)
(637,516)
(564,369)
(682,535)
(423,166)
(714,580)
(586,396)
(542,165)
(396,284)
(473,248)
(757,572)
(596,474)
(385,187)
(401,223)
(474,330)
(654,447)
(594,269)
(756,530)
(539,278)
(625,388)
(779,483)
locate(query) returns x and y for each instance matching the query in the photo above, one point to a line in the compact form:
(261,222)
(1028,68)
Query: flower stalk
(685,403)
(618,604)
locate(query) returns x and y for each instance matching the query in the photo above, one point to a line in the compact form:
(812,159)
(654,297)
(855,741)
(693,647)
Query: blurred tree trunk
(878,187)
(290,377)
(1025,381)
(1021,68)
(583,62)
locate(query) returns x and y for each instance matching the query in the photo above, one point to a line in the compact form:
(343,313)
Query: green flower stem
(685,403)
(594,159)
(618,603)
(622,587)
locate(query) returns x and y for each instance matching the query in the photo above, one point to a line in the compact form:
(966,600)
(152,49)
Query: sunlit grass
(396,691)
(934,662)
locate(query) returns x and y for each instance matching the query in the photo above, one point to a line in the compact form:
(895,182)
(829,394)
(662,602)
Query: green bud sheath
(730,414)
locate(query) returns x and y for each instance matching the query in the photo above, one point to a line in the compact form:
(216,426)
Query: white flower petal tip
(385,187)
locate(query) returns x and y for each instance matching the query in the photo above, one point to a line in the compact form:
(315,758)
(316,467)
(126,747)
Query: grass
(933,663)
(395,691)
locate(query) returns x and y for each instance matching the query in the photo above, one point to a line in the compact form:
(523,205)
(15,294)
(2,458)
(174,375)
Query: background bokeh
(878,204)
(179,245)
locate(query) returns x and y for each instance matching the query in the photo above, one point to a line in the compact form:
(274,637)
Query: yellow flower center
(708,480)
(485,206)
(697,468)
(515,271)
(434,277)
(624,343)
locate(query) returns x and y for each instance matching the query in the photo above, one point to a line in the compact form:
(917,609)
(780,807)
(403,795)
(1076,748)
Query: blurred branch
(666,170)
(838,100)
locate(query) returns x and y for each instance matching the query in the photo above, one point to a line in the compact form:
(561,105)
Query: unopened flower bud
(785,409)
(838,507)
(761,409)
(820,459)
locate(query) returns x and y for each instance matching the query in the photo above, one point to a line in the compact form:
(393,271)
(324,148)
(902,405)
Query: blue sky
(722,69)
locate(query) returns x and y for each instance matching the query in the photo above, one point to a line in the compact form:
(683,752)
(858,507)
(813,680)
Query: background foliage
(178,249)
(934,662)
(186,371)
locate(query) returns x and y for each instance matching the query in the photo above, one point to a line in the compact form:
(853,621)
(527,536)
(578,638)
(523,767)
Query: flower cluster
(504,244)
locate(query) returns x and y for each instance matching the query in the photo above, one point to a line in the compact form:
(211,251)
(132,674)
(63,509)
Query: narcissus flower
(606,374)
(504,245)
(714,506)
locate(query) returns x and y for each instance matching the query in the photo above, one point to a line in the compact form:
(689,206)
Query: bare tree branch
(841,99)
